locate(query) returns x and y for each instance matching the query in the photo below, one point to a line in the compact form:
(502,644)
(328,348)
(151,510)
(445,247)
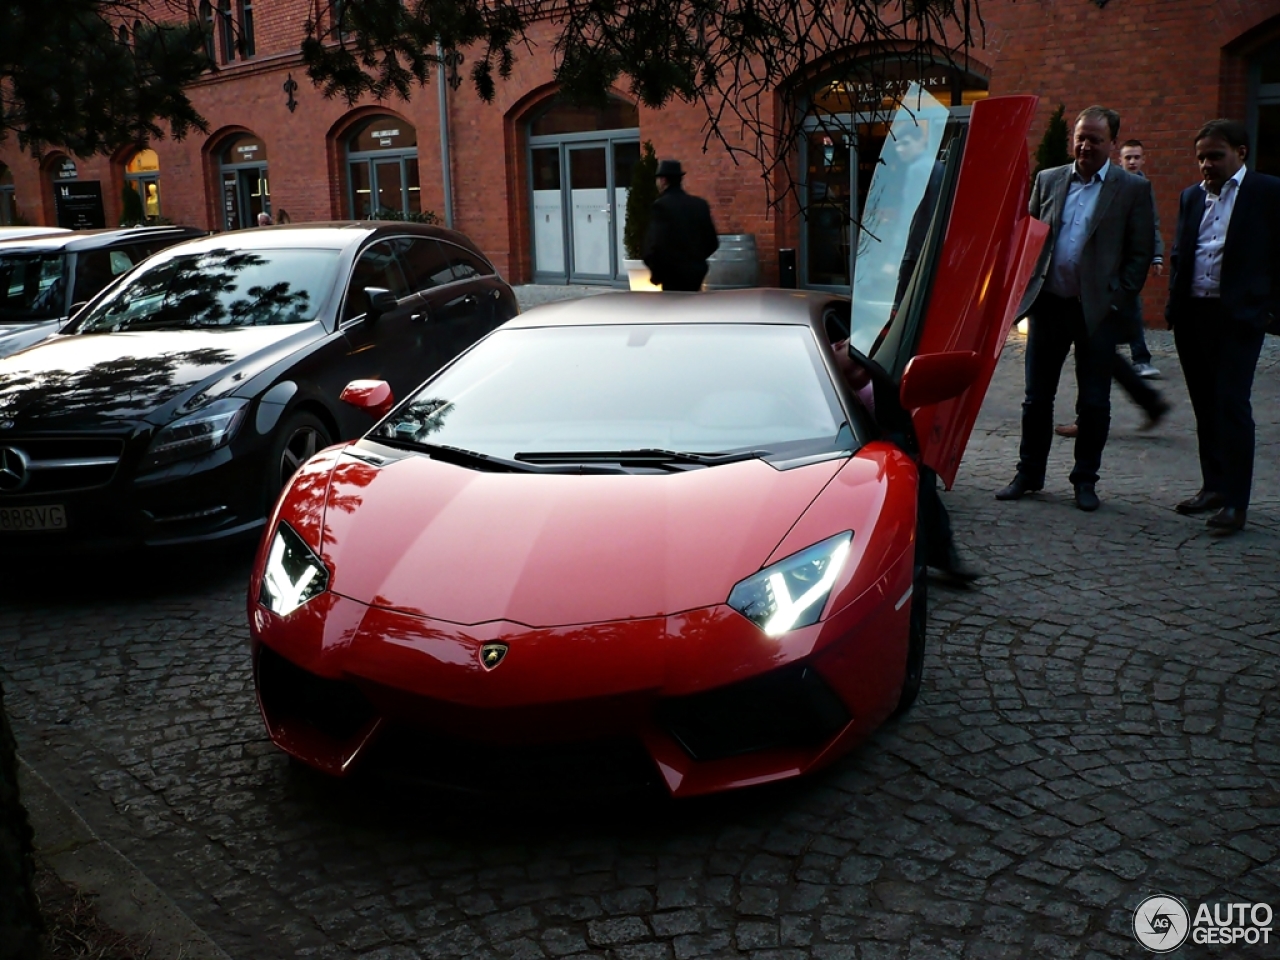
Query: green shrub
(640,197)
(423,216)
(1053,150)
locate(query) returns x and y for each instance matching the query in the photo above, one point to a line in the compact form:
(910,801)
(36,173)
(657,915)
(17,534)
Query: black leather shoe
(1202,502)
(1225,521)
(1019,487)
(1086,499)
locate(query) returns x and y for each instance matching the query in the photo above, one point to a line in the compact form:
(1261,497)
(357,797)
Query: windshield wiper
(485,461)
(646,456)
(465,458)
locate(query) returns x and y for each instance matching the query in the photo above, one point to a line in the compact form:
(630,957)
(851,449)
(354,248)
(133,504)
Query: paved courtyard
(1100,721)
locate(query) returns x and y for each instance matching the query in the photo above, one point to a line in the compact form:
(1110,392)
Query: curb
(124,898)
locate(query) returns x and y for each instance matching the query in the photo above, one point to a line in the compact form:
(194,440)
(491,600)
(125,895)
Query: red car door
(988,254)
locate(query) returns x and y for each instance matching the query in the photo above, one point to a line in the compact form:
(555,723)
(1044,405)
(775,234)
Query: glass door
(591,223)
(245,194)
(548,214)
(578,202)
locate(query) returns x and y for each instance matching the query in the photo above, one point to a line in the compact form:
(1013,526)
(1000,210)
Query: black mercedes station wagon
(173,407)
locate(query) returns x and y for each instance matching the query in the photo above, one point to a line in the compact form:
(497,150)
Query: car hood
(441,541)
(19,336)
(85,379)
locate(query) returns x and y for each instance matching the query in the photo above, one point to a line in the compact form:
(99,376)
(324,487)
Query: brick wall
(1166,65)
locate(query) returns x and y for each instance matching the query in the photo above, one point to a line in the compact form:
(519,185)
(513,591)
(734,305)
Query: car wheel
(301,436)
(916,634)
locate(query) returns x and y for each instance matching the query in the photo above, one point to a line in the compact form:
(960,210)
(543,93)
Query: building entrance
(580,173)
(245,192)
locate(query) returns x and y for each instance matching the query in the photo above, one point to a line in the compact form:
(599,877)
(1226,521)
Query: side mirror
(372,396)
(933,377)
(381,300)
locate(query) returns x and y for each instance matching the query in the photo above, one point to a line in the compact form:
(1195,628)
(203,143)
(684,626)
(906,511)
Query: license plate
(49,517)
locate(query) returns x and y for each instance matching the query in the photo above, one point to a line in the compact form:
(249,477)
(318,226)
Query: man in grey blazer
(1101,244)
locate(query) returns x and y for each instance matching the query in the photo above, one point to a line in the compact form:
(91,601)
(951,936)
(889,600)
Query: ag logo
(491,654)
(1161,923)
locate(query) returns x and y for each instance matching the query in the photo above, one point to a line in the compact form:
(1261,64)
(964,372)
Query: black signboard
(79,205)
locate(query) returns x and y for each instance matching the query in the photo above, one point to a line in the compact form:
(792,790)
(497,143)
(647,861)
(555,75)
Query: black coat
(681,236)
(1250,284)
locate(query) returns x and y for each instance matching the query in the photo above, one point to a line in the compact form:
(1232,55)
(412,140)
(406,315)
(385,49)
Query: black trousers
(1056,325)
(1219,356)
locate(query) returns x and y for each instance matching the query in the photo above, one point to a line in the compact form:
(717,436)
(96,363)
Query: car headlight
(293,574)
(201,432)
(792,592)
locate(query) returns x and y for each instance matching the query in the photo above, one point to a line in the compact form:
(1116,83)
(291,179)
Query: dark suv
(44,279)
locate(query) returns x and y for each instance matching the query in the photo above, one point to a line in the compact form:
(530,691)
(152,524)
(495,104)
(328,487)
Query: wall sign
(79,205)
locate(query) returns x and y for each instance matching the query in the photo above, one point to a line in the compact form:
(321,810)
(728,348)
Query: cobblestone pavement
(1100,721)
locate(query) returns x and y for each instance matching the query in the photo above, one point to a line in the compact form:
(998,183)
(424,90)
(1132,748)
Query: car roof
(95,239)
(13,233)
(331,235)
(754,305)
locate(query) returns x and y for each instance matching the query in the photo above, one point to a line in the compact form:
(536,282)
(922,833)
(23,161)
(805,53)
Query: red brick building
(541,186)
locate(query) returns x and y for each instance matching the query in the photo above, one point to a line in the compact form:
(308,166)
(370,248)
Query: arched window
(382,169)
(562,117)
(61,168)
(245,189)
(8,207)
(142,176)
(846,127)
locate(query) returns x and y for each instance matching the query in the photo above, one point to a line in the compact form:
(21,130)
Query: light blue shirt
(1077,213)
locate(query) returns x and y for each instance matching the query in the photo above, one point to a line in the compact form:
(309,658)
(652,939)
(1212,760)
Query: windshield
(33,286)
(904,191)
(219,288)
(693,388)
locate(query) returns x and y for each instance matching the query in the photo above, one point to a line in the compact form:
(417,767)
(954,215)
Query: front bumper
(703,697)
(217,496)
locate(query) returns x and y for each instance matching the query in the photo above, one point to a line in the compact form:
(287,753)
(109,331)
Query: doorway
(245,190)
(580,174)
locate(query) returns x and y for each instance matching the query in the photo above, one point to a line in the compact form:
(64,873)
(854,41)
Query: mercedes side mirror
(381,301)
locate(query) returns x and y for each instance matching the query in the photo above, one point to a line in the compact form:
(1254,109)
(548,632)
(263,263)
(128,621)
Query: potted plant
(640,196)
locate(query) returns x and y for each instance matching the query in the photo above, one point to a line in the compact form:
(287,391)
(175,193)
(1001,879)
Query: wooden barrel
(736,264)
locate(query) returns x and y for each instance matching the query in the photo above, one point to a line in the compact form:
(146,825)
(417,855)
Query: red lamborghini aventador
(655,528)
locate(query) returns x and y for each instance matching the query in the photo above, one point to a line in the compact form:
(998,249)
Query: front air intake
(792,707)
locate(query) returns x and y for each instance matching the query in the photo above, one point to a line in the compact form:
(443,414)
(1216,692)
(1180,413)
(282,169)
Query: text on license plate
(49,517)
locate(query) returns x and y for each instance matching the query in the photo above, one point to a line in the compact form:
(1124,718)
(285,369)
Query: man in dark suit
(1224,292)
(681,233)
(1100,247)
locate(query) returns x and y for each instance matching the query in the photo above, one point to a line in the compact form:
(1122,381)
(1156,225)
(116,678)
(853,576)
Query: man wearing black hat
(681,233)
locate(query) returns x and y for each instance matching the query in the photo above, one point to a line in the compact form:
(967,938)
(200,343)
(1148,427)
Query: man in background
(1224,294)
(1101,243)
(1130,377)
(681,233)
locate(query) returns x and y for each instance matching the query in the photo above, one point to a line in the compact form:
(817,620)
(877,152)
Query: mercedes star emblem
(13,470)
